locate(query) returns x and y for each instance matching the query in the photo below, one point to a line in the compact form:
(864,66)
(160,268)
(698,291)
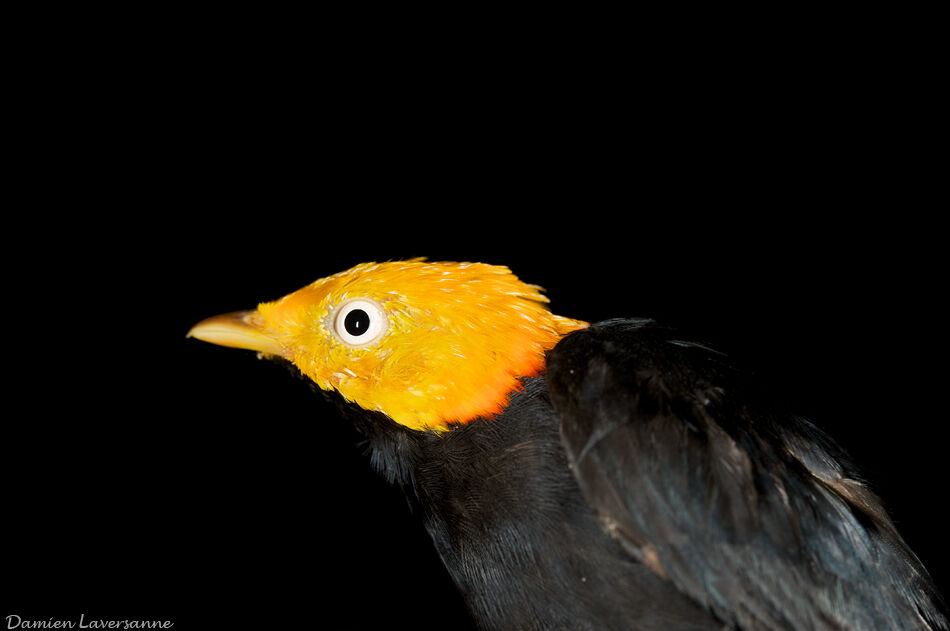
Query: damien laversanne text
(16,622)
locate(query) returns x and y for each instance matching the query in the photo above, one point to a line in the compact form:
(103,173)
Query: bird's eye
(360,321)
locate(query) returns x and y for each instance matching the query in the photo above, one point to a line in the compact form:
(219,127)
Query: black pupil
(356,322)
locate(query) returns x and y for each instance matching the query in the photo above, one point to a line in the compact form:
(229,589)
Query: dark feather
(751,511)
(509,521)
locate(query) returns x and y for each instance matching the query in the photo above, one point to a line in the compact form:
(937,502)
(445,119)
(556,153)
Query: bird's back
(708,480)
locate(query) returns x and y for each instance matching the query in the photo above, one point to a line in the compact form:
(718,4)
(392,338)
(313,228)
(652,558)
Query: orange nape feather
(427,344)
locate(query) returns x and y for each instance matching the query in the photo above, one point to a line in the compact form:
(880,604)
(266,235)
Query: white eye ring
(360,321)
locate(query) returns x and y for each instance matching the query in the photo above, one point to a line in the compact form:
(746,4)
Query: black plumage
(643,482)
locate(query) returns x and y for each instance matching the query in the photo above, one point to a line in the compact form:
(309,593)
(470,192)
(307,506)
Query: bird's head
(427,344)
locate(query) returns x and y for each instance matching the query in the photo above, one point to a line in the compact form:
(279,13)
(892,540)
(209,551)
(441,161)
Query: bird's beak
(240,329)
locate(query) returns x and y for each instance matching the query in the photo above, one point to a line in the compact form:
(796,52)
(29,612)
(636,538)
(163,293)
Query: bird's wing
(752,512)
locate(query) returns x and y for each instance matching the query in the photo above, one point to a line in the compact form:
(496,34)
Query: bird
(575,475)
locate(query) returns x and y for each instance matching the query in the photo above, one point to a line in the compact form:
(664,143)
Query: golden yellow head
(427,344)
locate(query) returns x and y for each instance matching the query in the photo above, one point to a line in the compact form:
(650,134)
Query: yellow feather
(457,337)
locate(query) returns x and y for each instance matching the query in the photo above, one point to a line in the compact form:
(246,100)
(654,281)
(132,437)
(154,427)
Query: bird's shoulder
(703,477)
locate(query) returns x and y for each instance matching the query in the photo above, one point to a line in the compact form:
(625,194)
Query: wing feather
(751,511)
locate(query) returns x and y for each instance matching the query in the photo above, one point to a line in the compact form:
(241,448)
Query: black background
(771,201)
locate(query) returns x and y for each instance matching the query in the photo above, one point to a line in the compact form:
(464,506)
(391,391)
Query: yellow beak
(240,329)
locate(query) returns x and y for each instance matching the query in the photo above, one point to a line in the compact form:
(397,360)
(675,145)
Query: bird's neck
(397,452)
